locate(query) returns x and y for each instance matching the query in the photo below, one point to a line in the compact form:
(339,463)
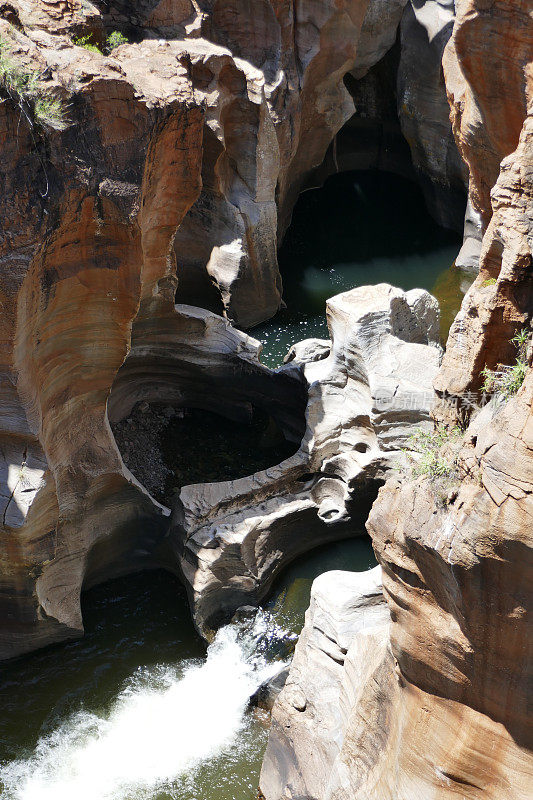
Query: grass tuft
(507,380)
(433,455)
(27,90)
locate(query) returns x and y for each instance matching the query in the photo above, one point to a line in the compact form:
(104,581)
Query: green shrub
(507,380)
(87,43)
(433,455)
(489,282)
(115,39)
(27,90)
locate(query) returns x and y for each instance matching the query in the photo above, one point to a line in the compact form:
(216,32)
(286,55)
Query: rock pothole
(167,447)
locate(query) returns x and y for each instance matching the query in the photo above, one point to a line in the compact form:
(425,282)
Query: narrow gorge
(266,398)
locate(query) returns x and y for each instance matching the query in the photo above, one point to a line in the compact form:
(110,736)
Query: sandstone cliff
(491,98)
(438,707)
(177,163)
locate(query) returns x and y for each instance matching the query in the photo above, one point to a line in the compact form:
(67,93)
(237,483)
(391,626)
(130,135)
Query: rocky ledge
(339,651)
(368,389)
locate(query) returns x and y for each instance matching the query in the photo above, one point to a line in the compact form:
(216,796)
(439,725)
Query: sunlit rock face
(89,215)
(456,581)
(437,707)
(440,710)
(490,97)
(367,390)
(346,620)
(181,157)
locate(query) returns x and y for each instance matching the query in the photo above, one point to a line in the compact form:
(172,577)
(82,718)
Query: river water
(360,228)
(137,710)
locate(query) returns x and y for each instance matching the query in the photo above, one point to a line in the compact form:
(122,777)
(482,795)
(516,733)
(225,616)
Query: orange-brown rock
(491,99)
(210,134)
(89,217)
(458,583)
(437,706)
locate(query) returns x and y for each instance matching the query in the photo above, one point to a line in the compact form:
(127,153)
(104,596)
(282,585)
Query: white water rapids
(166,723)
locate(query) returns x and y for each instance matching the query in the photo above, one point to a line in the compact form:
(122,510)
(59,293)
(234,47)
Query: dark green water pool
(135,709)
(359,228)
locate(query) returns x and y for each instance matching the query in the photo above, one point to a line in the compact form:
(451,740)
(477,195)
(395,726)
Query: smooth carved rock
(347,613)
(493,129)
(438,707)
(458,585)
(424,112)
(500,301)
(210,135)
(364,400)
(86,237)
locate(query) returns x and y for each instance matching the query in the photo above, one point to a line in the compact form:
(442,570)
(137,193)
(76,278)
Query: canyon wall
(177,162)
(488,67)
(437,705)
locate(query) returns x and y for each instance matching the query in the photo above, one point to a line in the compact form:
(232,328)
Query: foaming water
(164,725)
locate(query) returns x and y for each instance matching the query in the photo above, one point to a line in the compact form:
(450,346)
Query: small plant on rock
(507,380)
(27,90)
(489,282)
(87,43)
(115,39)
(433,455)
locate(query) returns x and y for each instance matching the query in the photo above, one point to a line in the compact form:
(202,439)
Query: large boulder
(347,614)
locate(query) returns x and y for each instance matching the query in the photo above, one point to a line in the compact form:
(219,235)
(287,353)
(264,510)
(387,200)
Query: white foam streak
(162,726)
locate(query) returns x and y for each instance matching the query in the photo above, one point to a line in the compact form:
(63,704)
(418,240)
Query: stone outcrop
(441,711)
(457,581)
(347,617)
(366,393)
(491,101)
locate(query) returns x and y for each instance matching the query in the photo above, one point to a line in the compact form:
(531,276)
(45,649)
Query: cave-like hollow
(366,214)
(168,447)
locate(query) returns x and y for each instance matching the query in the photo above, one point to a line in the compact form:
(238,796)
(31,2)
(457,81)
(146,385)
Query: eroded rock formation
(491,113)
(347,618)
(440,709)
(182,154)
(367,390)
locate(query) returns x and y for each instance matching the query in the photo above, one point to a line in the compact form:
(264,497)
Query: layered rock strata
(347,617)
(491,107)
(181,156)
(90,215)
(439,707)
(367,391)
(441,711)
